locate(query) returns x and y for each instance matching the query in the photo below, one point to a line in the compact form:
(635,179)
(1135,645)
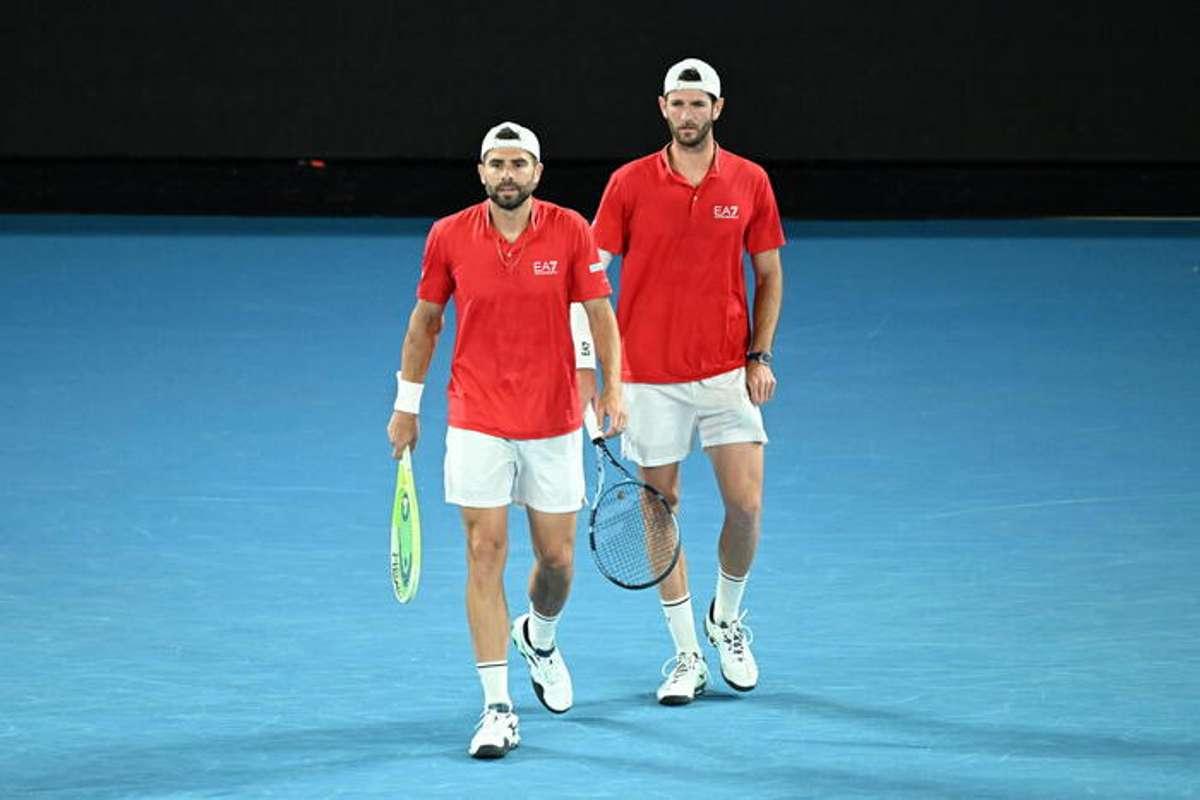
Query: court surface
(977,577)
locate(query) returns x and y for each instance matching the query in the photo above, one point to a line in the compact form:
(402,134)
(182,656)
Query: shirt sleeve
(765,231)
(437,280)
(588,278)
(609,228)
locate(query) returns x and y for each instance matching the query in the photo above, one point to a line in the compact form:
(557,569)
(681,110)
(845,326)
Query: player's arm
(768,297)
(424,325)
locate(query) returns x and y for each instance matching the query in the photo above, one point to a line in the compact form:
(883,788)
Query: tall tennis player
(513,265)
(697,358)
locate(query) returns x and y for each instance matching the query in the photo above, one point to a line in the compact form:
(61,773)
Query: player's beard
(698,137)
(513,201)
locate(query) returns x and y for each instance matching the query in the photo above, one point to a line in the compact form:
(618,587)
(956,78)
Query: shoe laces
(492,712)
(683,664)
(548,666)
(736,635)
(550,673)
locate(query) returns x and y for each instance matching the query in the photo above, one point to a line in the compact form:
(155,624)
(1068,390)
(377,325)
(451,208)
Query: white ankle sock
(729,596)
(541,628)
(681,624)
(494,677)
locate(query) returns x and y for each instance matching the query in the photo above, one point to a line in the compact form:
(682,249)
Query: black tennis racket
(632,531)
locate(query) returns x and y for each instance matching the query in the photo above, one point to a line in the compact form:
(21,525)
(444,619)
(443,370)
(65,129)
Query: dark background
(857,109)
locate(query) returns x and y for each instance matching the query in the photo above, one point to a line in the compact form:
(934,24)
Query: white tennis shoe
(547,671)
(495,733)
(684,681)
(732,640)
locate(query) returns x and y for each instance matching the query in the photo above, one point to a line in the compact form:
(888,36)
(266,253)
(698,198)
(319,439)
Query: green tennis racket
(406,533)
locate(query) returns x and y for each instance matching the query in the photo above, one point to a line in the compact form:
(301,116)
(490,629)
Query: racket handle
(592,424)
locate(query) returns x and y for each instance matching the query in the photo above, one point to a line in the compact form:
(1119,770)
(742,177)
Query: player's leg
(487,615)
(665,478)
(550,486)
(662,422)
(534,633)
(732,434)
(479,472)
(553,539)
(685,675)
(739,473)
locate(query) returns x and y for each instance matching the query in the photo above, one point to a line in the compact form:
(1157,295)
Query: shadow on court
(238,763)
(710,774)
(949,735)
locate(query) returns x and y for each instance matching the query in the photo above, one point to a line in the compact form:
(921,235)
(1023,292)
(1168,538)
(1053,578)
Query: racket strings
(634,535)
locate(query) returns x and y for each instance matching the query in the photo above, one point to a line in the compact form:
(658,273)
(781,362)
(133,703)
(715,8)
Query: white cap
(709,81)
(525,139)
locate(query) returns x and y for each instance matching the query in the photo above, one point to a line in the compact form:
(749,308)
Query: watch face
(762,358)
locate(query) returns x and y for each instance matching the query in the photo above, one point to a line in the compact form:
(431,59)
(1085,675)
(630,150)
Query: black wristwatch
(761,356)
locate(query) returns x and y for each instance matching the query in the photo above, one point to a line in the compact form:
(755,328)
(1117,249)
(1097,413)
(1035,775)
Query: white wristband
(408,395)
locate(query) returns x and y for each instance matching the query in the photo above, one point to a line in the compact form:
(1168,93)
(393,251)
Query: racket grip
(592,424)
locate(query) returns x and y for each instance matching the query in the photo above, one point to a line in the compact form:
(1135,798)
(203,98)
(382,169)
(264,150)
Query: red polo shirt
(513,369)
(682,306)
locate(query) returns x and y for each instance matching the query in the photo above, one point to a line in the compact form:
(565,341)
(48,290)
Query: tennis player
(513,265)
(695,358)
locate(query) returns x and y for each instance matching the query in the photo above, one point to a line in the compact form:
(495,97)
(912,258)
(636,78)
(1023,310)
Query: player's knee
(559,558)
(486,551)
(665,481)
(670,491)
(745,512)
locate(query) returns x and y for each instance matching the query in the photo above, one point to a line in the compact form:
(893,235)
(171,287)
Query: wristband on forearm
(408,395)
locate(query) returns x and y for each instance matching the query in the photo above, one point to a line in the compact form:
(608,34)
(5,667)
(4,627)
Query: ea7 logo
(725,212)
(545,267)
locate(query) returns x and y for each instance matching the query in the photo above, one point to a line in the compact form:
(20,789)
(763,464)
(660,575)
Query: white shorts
(483,471)
(664,417)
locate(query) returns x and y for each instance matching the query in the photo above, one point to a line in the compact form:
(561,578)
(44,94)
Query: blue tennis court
(977,577)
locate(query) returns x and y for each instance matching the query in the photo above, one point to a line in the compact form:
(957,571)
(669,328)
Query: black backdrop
(856,107)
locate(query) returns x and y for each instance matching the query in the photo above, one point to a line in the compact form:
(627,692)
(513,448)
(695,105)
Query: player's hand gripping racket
(632,532)
(406,533)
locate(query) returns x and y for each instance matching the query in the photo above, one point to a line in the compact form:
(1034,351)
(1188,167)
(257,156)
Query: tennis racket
(406,533)
(632,531)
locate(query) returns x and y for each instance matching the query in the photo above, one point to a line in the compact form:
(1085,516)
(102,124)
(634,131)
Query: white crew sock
(681,624)
(494,677)
(728,602)
(541,628)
